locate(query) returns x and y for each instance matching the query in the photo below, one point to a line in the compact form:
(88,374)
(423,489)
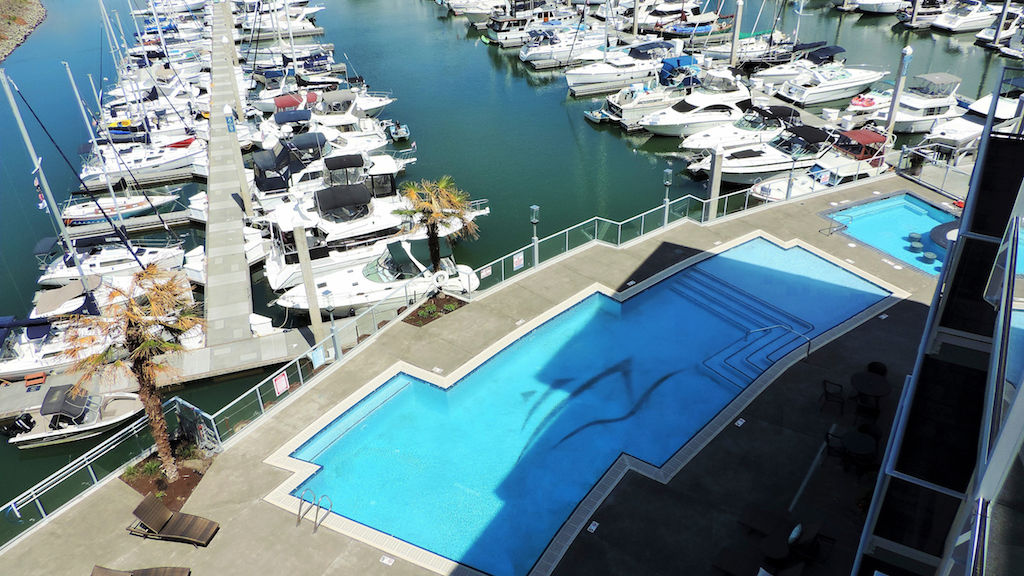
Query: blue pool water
(486,472)
(886,224)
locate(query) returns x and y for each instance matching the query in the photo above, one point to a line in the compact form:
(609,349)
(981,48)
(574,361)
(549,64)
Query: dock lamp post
(666,177)
(535,219)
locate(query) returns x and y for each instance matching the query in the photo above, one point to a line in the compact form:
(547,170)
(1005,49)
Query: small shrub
(152,468)
(131,472)
(187,451)
(428,310)
(160,494)
(450,307)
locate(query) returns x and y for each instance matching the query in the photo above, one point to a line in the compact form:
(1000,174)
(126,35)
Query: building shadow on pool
(539,493)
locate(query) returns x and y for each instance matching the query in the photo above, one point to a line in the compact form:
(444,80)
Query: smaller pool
(889,224)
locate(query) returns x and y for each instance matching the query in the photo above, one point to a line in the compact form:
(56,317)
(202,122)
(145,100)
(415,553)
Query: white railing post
(259,398)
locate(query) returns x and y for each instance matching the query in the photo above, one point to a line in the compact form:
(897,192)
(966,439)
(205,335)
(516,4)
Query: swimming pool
(887,225)
(484,473)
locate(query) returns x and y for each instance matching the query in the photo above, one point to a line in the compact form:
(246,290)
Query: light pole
(901,76)
(666,176)
(535,219)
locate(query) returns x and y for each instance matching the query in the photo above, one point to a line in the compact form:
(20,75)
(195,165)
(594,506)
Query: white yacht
(1011,24)
(1015,46)
(101,257)
(828,82)
(639,63)
(880,6)
(797,148)
(139,162)
(861,109)
(928,99)
(663,13)
(402,273)
(41,345)
(92,211)
(756,126)
(718,100)
(559,45)
(64,417)
(512,30)
(752,47)
(626,107)
(780,73)
(858,154)
(963,131)
(480,11)
(927,12)
(966,16)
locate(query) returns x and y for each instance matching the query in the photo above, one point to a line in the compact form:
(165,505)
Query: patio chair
(834,445)
(157,522)
(867,410)
(831,392)
(162,571)
(878,368)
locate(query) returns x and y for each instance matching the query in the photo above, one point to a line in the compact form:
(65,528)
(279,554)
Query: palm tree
(145,321)
(438,204)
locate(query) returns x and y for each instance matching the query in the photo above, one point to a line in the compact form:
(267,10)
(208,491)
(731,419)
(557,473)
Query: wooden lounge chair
(156,521)
(163,571)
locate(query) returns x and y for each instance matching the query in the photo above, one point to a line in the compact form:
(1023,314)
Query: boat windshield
(716,83)
(793,146)
(962,9)
(752,121)
(383,269)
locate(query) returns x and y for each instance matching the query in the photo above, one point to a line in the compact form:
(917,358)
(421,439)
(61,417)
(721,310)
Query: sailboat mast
(115,48)
(94,139)
(48,195)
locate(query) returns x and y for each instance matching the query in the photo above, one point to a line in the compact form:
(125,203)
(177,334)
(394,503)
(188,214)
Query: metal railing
(942,168)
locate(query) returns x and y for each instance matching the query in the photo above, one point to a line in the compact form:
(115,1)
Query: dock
(135,224)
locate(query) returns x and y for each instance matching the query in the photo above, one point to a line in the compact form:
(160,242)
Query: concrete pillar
(737,21)
(316,323)
(714,183)
(901,79)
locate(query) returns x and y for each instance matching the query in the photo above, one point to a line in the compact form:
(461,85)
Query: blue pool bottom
(887,225)
(484,473)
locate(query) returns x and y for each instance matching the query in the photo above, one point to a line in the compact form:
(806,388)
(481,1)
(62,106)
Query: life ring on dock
(862,101)
(440,279)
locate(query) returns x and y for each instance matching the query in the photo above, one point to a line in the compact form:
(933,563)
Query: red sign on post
(281,383)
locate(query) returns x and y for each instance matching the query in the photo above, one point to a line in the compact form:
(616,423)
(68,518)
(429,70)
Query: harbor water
(476,112)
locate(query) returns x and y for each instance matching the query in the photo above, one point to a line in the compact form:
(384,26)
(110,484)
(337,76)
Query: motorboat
(928,99)
(833,81)
(1011,24)
(559,45)
(756,126)
(512,30)
(664,13)
(480,11)
(857,154)
(43,345)
(701,25)
(342,131)
(1015,46)
(966,16)
(400,273)
(964,131)
(780,73)
(927,12)
(100,208)
(751,47)
(880,6)
(677,78)
(720,99)
(797,148)
(639,63)
(101,256)
(861,109)
(65,417)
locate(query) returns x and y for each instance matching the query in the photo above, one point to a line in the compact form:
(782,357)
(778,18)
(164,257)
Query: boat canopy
(44,246)
(344,161)
(308,141)
(785,113)
(825,54)
(807,46)
(338,96)
(935,84)
(669,66)
(290,116)
(650,50)
(59,400)
(865,137)
(293,100)
(342,196)
(809,134)
(49,300)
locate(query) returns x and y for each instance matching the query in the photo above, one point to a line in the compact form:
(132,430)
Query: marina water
(476,112)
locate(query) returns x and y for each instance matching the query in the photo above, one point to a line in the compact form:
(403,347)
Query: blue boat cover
(289,116)
(670,65)
(824,54)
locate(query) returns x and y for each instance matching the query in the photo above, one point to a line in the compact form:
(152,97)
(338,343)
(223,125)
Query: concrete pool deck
(646,527)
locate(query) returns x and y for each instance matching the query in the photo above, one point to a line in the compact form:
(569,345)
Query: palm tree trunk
(155,412)
(434,243)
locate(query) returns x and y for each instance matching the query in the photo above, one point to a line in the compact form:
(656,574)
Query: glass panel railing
(12,525)
(631,229)
(235,416)
(582,233)
(655,219)
(553,246)
(61,493)
(608,231)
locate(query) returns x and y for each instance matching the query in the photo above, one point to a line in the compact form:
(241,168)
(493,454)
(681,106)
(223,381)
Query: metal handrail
(302,502)
(788,329)
(317,519)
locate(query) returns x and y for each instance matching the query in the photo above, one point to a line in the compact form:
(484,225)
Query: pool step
(745,359)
